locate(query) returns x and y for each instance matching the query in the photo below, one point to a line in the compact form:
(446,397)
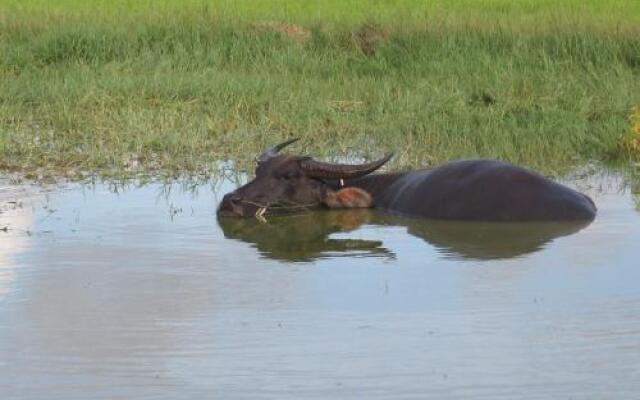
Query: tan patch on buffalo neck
(348,198)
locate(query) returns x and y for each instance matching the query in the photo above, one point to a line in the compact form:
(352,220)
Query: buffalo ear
(348,198)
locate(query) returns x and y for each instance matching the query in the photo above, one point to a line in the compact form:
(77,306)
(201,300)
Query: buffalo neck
(374,184)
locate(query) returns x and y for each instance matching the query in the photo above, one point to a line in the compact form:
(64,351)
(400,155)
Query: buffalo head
(286,184)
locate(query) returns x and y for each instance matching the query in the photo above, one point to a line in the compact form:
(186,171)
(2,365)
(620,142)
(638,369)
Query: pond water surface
(121,292)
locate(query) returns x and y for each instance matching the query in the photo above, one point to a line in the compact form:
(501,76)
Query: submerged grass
(175,87)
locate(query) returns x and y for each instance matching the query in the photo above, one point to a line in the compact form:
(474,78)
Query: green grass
(175,87)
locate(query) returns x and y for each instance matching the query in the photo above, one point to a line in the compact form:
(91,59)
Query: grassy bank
(167,86)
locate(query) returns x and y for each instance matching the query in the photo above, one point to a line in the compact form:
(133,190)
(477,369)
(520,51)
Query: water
(113,293)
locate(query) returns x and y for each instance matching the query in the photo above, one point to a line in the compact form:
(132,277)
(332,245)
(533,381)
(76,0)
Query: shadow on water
(306,237)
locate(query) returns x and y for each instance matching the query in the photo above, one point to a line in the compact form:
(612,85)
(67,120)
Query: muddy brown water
(121,292)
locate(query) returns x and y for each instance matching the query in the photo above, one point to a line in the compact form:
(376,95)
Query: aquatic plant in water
(631,140)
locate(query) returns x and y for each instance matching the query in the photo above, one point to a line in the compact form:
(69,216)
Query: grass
(170,87)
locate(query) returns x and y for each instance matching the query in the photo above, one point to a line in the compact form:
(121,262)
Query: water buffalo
(472,190)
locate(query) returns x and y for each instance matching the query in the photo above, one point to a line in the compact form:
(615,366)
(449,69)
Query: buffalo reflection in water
(305,237)
(491,240)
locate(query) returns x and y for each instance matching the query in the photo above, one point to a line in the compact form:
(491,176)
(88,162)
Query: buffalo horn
(273,151)
(324,170)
